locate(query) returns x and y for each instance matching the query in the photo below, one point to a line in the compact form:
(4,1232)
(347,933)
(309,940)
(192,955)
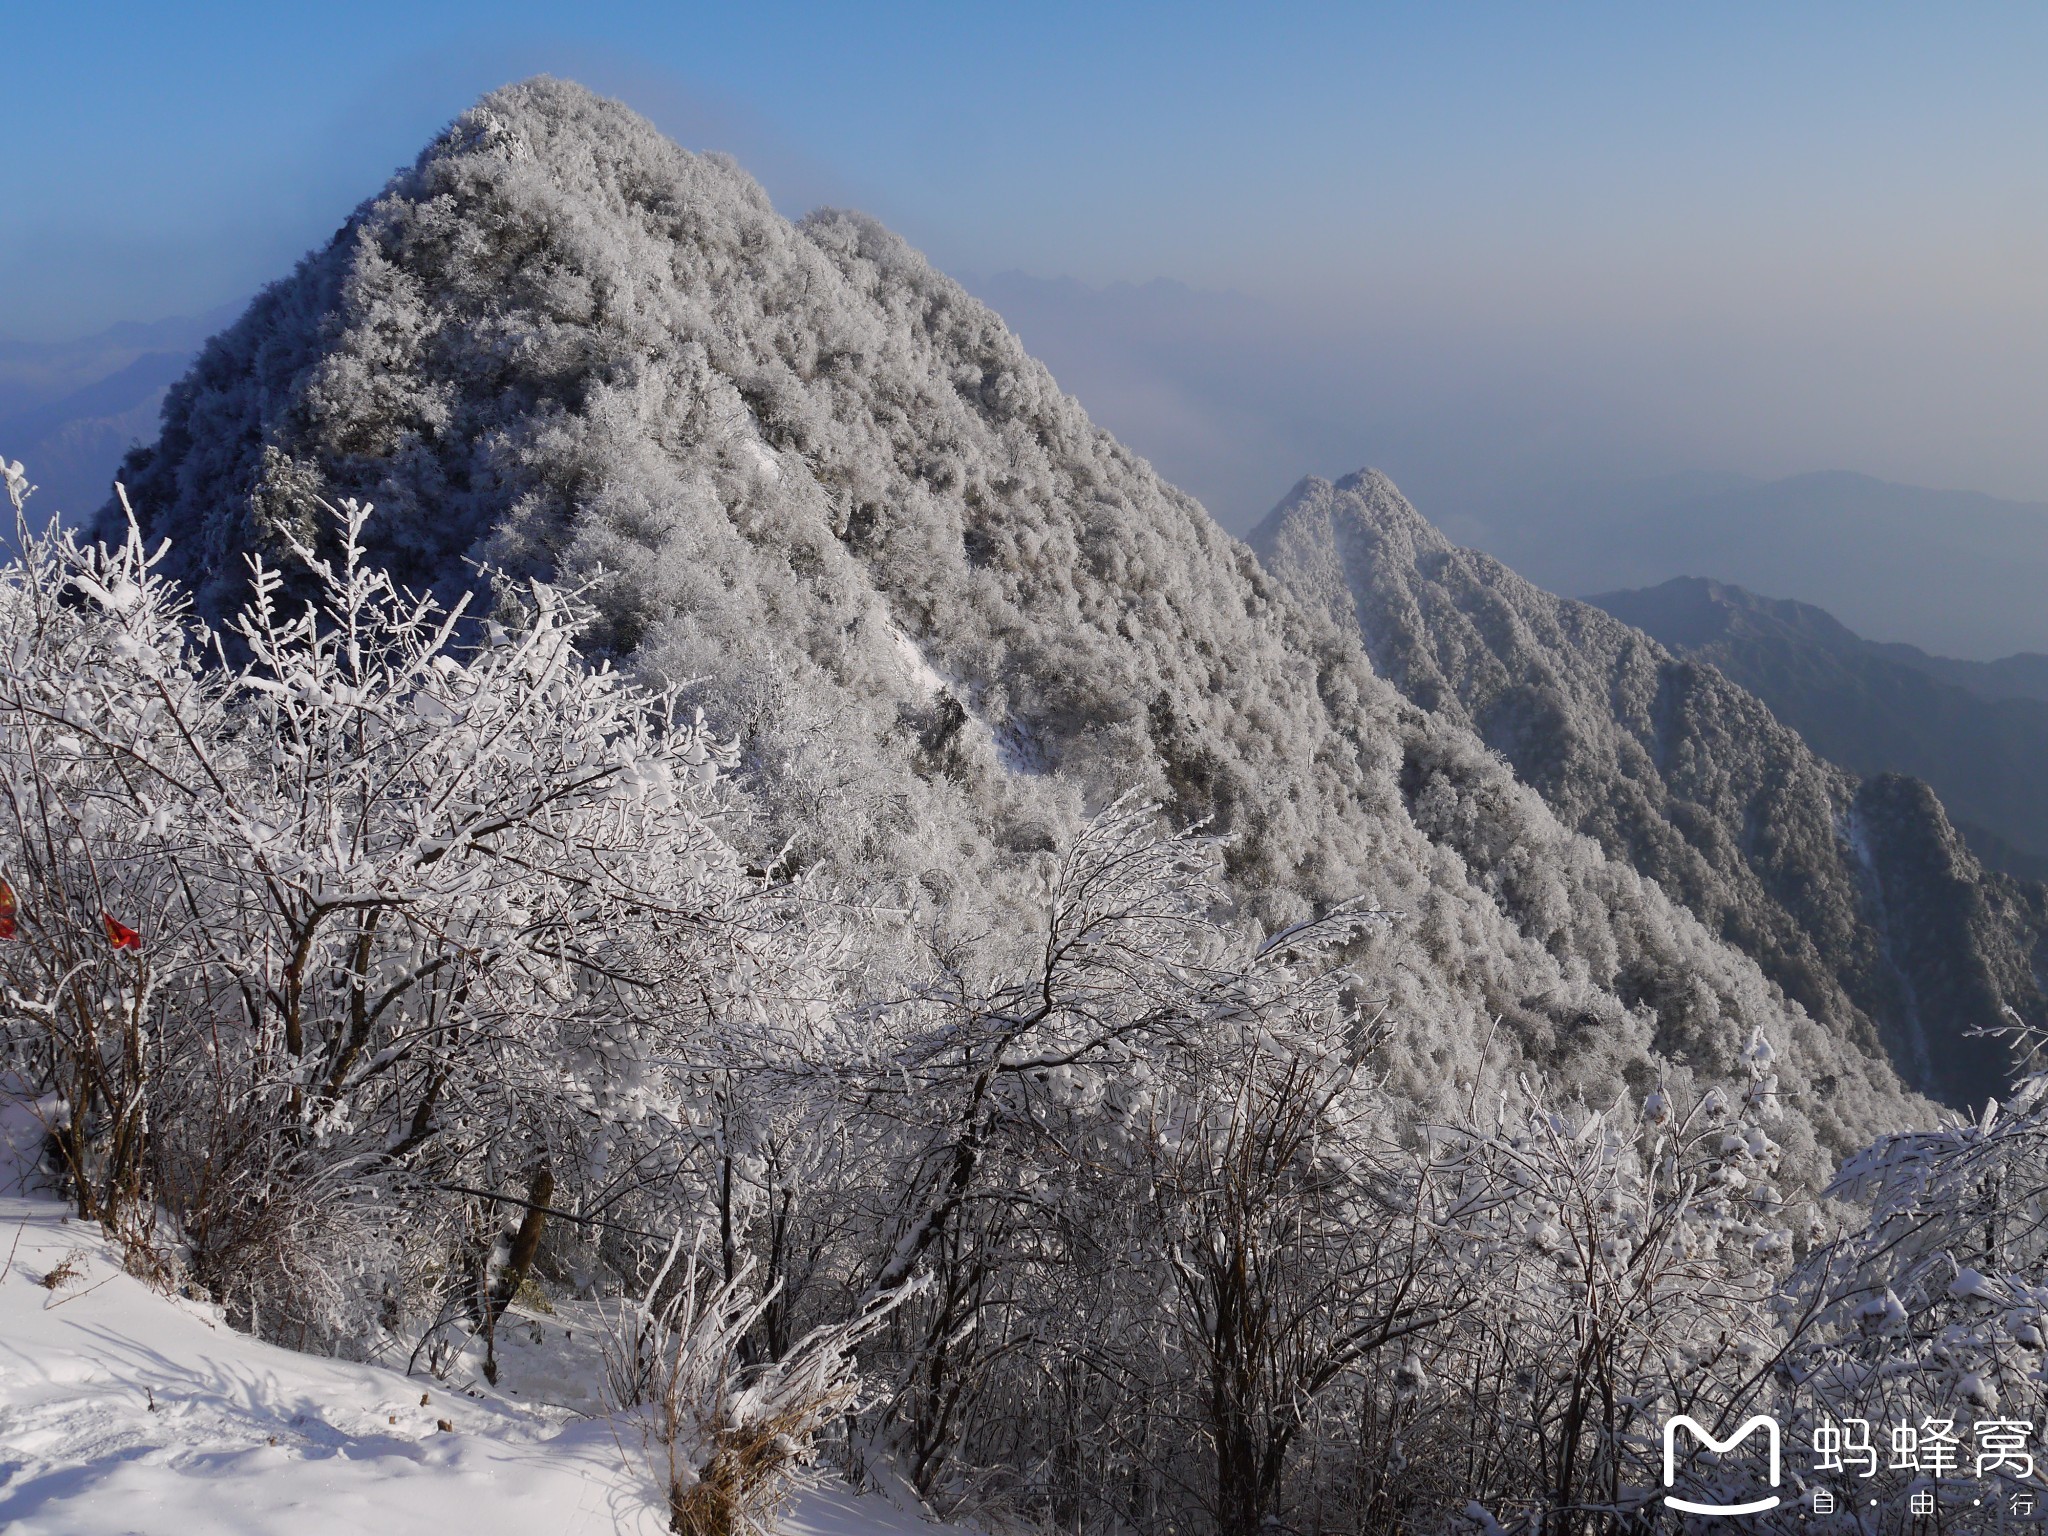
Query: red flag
(119,934)
(8,907)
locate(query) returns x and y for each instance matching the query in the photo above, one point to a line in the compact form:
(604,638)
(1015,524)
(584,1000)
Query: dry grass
(750,1473)
(727,1441)
(67,1270)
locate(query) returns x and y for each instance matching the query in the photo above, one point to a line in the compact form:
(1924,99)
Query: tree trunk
(540,1189)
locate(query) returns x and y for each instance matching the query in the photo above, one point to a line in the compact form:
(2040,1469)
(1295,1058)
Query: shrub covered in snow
(328,922)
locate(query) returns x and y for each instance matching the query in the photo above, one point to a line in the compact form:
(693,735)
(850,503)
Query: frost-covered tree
(1036,1091)
(1303,1252)
(1931,1302)
(1632,1256)
(344,919)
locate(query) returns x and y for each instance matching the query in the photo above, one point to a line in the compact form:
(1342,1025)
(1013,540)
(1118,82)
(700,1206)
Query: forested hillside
(941,611)
(1977,731)
(1857,897)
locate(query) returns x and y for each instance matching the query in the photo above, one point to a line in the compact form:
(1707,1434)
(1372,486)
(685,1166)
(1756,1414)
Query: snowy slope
(1678,771)
(563,345)
(122,1411)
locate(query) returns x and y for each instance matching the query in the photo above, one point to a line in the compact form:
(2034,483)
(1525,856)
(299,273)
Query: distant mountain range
(1976,731)
(1954,572)
(71,409)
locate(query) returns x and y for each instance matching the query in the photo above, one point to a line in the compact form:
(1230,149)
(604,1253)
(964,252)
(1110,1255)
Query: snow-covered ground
(125,1411)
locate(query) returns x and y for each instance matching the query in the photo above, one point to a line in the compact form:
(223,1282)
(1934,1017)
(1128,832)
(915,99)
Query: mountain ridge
(1955,572)
(942,613)
(1693,781)
(1971,729)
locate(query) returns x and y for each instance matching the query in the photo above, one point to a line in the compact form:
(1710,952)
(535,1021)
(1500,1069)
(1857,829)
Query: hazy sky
(1469,243)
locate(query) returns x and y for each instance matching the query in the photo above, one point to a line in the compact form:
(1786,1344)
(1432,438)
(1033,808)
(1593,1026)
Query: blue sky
(1262,147)
(1561,240)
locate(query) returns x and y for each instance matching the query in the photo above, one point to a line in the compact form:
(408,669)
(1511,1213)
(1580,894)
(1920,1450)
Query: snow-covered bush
(1931,1303)
(1030,1094)
(335,924)
(1631,1258)
(728,1437)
